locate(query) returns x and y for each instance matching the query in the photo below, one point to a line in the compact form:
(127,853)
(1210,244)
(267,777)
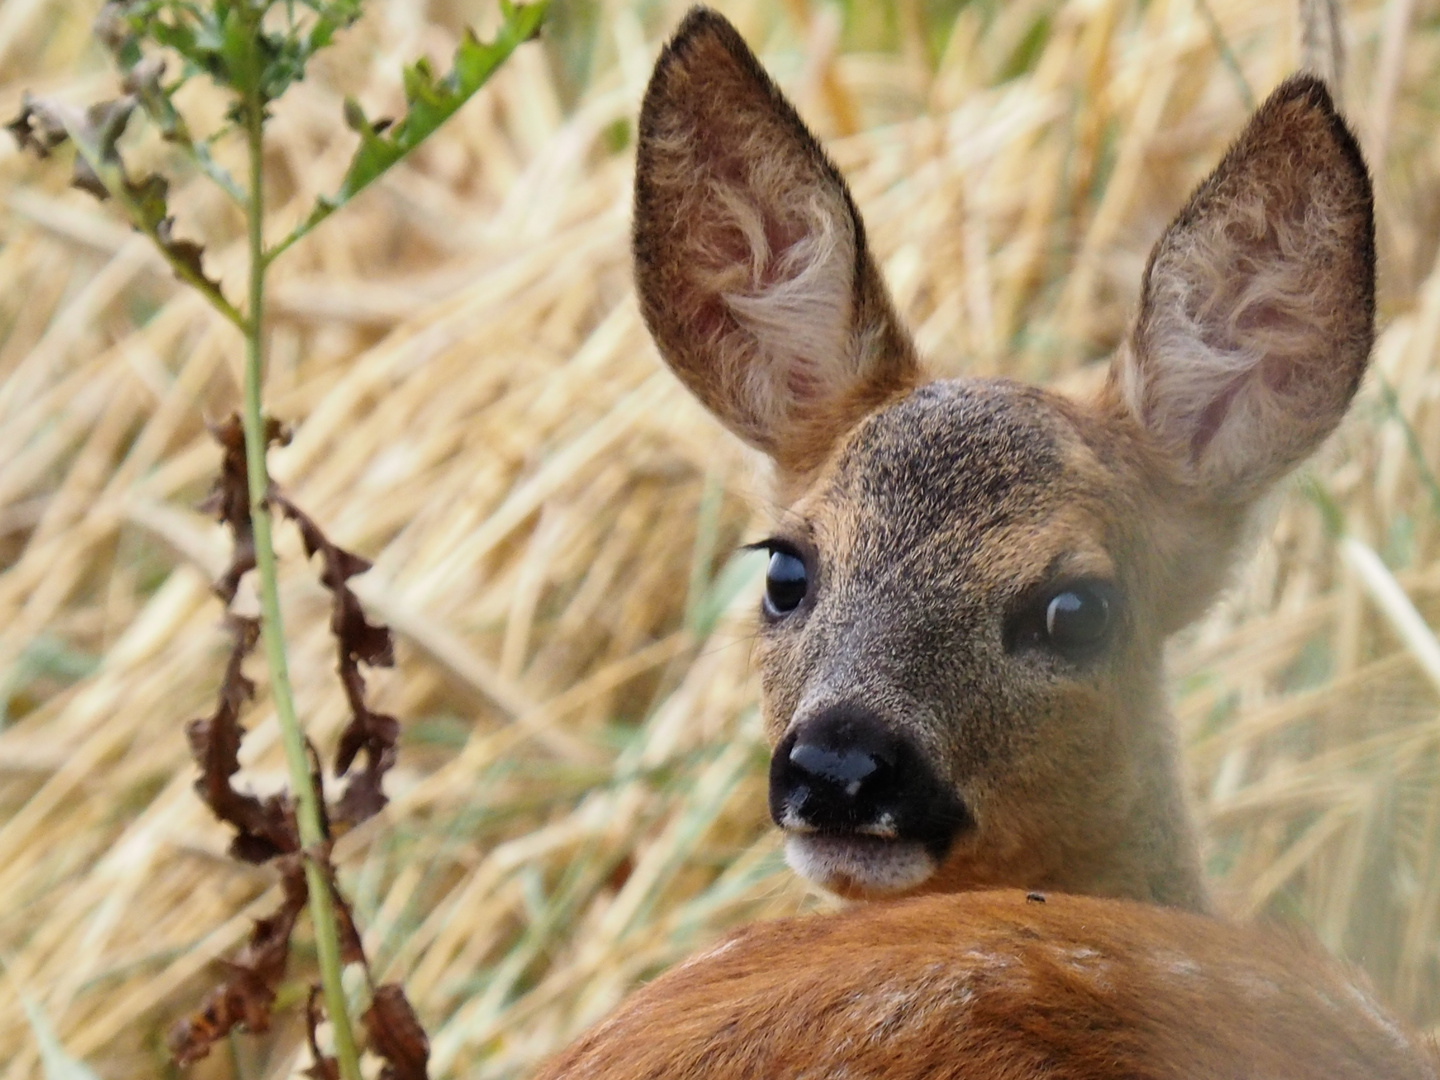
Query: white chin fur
(859,862)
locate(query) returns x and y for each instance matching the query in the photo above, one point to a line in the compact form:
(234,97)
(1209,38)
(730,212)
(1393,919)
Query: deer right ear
(750,258)
(1258,307)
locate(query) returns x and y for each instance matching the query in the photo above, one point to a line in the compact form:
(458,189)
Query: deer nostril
(844,768)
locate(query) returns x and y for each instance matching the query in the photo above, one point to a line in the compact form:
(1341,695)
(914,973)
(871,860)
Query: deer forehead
(984,478)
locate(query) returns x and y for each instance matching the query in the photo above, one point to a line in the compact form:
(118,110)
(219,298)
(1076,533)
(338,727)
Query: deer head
(971,580)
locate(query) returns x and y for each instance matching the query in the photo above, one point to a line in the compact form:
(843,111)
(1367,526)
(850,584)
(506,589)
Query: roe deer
(972,580)
(969,588)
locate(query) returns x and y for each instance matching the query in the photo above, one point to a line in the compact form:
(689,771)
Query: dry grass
(477,407)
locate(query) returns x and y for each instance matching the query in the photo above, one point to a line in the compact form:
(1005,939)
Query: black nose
(839,772)
(847,771)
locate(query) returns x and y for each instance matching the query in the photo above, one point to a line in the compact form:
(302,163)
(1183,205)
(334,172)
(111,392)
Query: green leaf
(332,17)
(430,102)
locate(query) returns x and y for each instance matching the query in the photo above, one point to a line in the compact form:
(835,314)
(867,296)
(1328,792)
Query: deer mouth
(856,864)
(881,856)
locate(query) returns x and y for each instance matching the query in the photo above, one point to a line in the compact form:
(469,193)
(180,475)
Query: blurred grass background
(580,798)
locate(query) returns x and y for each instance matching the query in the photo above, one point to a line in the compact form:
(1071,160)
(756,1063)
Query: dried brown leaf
(264,827)
(358,641)
(185,254)
(41,124)
(396,1036)
(352,950)
(245,998)
(229,498)
(112,29)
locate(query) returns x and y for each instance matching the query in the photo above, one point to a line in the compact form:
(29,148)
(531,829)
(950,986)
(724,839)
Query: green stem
(312,833)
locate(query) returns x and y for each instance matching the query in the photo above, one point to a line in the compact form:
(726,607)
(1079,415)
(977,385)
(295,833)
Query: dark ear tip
(701,24)
(1312,93)
(700,20)
(1305,87)
(692,48)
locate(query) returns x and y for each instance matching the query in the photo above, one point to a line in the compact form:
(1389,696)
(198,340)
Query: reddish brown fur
(992,985)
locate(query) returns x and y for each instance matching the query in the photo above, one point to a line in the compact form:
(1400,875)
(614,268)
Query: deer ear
(1258,305)
(750,258)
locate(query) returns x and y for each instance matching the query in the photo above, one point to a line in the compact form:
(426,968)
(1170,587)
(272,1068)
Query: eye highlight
(1078,618)
(1073,620)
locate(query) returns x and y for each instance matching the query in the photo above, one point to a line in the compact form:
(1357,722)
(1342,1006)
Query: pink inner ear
(780,237)
(1258,309)
(709,318)
(1207,424)
(723,246)
(719,244)
(1281,373)
(803,384)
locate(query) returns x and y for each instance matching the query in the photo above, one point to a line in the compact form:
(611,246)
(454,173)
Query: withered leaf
(39,126)
(149,195)
(369,643)
(229,497)
(103,125)
(358,641)
(245,998)
(185,255)
(229,502)
(113,30)
(364,795)
(264,827)
(396,1036)
(143,79)
(44,124)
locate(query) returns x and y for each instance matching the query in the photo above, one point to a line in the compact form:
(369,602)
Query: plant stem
(307,800)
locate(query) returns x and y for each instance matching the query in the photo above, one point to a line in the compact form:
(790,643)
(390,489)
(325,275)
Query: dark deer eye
(785,583)
(1075,620)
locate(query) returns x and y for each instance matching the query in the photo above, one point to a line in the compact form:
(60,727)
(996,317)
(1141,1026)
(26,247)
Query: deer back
(991,985)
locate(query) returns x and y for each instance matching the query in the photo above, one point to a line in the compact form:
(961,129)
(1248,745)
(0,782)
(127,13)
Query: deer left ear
(750,259)
(1258,306)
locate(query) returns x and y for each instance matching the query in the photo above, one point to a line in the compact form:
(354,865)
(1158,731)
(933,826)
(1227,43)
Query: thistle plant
(254,51)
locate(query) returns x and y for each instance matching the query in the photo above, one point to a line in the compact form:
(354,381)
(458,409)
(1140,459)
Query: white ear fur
(1258,304)
(782,270)
(798,318)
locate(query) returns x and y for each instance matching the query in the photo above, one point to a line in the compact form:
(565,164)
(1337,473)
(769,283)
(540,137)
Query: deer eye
(1074,620)
(1078,619)
(786,582)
